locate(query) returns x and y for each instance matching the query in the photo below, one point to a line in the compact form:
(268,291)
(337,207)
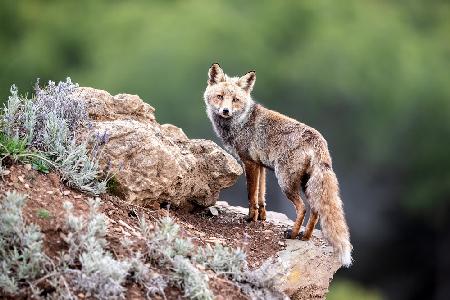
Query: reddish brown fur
(262,194)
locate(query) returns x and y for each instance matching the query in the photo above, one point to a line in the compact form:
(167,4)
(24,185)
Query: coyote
(297,153)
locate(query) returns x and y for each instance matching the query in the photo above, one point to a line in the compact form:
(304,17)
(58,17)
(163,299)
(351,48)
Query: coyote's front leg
(252,175)
(262,194)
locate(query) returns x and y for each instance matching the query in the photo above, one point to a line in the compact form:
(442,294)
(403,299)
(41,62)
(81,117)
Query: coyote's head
(228,97)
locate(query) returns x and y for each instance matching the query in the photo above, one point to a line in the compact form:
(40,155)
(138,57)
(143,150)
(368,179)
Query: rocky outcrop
(308,266)
(155,163)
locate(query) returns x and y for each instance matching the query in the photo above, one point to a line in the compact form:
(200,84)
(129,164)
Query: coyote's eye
(220,97)
(235,99)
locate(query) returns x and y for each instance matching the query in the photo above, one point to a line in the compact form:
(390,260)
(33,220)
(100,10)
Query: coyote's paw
(304,237)
(252,215)
(262,213)
(288,235)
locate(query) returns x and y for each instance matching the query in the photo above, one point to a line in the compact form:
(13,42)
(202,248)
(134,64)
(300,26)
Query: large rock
(308,266)
(156,163)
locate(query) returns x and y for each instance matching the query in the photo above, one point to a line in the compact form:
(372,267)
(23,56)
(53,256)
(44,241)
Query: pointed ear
(247,81)
(215,74)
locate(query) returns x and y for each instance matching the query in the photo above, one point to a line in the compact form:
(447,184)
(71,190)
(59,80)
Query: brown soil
(44,207)
(259,240)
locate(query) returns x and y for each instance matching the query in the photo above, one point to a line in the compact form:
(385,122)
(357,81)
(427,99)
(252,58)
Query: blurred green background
(372,76)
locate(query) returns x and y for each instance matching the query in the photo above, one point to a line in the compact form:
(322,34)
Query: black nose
(226,111)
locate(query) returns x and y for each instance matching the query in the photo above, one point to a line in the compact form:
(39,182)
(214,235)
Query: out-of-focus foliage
(344,290)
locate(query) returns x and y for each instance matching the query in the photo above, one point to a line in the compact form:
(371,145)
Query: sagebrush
(43,131)
(168,259)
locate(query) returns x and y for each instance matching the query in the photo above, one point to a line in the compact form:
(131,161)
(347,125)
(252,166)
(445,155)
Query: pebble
(21,179)
(50,192)
(80,295)
(6,172)
(213,211)
(66,193)
(98,199)
(27,186)
(281,243)
(77,196)
(28,167)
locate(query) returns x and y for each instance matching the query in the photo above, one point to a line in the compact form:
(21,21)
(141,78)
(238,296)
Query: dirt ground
(44,207)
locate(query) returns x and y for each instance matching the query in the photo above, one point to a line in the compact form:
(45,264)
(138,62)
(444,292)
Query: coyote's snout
(297,153)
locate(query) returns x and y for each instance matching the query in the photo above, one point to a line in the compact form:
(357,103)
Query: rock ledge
(309,266)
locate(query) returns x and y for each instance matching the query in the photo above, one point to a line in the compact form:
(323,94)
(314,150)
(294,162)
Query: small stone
(80,295)
(213,211)
(77,196)
(27,186)
(21,179)
(50,192)
(66,193)
(6,172)
(281,243)
(98,199)
(28,167)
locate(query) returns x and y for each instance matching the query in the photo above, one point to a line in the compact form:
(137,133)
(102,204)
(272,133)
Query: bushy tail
(323,192)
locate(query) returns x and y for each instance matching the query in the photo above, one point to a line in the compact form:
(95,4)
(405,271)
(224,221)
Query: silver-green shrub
(101,275)
(21,255)
(223,260)
(48,123)
(262,283)
(190,279)
(88,268)
(167,249)
(164,243)
(153,283)
(83,233)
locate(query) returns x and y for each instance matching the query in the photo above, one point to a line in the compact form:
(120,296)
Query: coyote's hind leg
(313,218)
